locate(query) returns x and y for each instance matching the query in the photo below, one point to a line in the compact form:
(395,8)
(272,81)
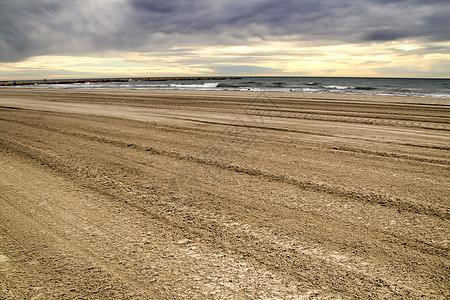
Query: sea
(417,87)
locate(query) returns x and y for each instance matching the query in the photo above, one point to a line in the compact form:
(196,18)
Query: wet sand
(115,194)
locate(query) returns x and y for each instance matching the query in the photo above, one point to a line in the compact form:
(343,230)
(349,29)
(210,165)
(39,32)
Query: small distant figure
(45,80)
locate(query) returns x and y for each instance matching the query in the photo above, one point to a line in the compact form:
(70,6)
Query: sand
(117,194)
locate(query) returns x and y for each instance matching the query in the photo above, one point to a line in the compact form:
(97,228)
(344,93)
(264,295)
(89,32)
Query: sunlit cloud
(277,58)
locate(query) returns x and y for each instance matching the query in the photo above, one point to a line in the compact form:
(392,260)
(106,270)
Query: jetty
(72,81)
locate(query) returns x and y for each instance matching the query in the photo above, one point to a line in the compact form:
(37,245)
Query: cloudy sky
(133,38)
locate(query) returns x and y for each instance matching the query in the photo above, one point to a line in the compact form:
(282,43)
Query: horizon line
(207,77)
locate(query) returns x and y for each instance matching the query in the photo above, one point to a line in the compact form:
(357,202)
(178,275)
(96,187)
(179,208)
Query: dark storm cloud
(341,20)
(40,27)
(385,35)
(157,6)
(76,27)
(20,20)
(230,17)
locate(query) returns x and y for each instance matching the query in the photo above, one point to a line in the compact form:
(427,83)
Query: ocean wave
(403,90)
(360,86)
(337,87)
(310,90)
(194,86)
(227,85)
(365,88)
(277,84)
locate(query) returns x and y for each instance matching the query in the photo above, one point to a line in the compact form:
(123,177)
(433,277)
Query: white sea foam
(337,87)
(206,85)
(308,90)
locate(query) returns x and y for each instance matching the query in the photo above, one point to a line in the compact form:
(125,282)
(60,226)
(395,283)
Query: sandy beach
(147,194)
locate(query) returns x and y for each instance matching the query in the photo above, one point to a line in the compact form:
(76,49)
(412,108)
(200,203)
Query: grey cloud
(385,35)
(337,20)
(157,6)
(19,21)
(438,25)
(38,27)
(232,16)
(411,2)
